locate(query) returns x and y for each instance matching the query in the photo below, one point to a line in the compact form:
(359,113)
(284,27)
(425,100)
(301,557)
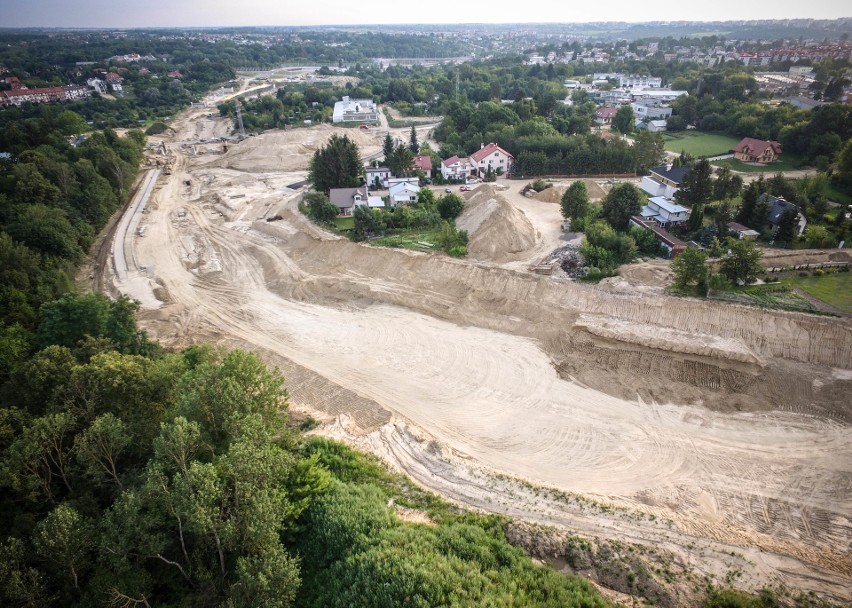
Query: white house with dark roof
(380,173)
(664,180)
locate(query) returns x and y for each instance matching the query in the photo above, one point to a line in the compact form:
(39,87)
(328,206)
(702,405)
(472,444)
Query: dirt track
(730,423)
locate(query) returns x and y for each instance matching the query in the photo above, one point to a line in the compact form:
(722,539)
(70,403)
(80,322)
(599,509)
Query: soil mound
(550,195)
(554,194)
(289,150)
(498,231)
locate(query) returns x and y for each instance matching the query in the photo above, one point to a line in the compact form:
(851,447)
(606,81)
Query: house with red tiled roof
(455,168)
(494,157)
(423,164)
(604,115)
(752,150)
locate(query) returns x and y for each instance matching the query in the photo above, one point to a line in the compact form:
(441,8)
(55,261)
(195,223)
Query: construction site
(717,432)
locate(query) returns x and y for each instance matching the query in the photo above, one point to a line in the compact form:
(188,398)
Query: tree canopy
(335,165)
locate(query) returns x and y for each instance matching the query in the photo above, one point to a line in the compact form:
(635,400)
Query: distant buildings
(43,95)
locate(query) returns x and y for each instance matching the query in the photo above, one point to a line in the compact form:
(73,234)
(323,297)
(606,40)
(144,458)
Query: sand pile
(498,231)
(289,150)
(554,194)
(550,195)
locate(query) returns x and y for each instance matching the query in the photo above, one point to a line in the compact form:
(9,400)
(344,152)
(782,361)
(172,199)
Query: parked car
(447,190)
(464,188)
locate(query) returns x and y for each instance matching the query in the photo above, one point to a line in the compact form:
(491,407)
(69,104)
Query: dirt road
(703,424)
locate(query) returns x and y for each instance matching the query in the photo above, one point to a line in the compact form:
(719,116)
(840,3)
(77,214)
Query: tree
(690,267)
(787,225)
(575,201)
(366,222)
(697,185)
(817,236)
(742,265)
(623,120)
(63,540)
(648,150)
(387,146)
(696,217)
(727,185)
(335,165)
(320,209)
(401,161)
(622,201)
(412,141)
(450,206)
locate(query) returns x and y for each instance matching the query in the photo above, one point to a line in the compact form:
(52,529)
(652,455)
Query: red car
(464,188)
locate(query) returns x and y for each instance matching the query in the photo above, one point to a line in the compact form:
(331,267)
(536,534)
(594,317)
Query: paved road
(122,248)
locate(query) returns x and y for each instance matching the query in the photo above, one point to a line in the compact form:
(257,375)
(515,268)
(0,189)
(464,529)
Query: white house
(664,212)
(355,110)
(644,110)
(403,193)
(98,85)
(664,181)
(492,156)
(380,173)
(656,126)
(455,168)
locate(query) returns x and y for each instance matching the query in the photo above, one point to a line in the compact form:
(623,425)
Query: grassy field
(699,144)
(839,197)
(788,162)
(344,223)
(834,289)
(419,240)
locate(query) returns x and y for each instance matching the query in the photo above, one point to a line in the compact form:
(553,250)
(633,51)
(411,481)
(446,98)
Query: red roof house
(752,150)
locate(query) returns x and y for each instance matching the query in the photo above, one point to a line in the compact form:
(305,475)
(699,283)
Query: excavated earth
(718,432)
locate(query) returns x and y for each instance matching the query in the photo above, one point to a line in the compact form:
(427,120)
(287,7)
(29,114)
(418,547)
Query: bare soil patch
(533,396)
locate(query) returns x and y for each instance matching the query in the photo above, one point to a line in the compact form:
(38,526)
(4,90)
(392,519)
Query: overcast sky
(187,13)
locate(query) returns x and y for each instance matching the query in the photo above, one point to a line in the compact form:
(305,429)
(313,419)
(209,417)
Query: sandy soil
(487,383)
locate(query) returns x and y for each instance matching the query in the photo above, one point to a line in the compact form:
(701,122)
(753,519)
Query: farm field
(699,144)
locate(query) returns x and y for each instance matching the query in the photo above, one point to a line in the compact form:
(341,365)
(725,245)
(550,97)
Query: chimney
(481,145)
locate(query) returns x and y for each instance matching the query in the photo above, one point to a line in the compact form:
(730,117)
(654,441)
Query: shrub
(540,185)
(157,128)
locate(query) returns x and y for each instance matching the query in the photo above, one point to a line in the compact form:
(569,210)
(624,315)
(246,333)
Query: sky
(207,13)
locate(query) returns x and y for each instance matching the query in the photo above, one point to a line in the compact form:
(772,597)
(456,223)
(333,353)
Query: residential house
(355,110)
(76,91)
(650,110)
(664,212)
(377,173)
(777,207)
(98,85)
(664,180)
(424,165)
(742,232)
(656,95)
(604,115)
(673,245)
(752,150)
(346,199)
(494,157)
(656,126)
(455,168)
(403,193)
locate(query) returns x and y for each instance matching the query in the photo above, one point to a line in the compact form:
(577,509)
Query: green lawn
(834,289)
(417,239)
(787,162)
(344,223)
(838,197)
(699,144)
